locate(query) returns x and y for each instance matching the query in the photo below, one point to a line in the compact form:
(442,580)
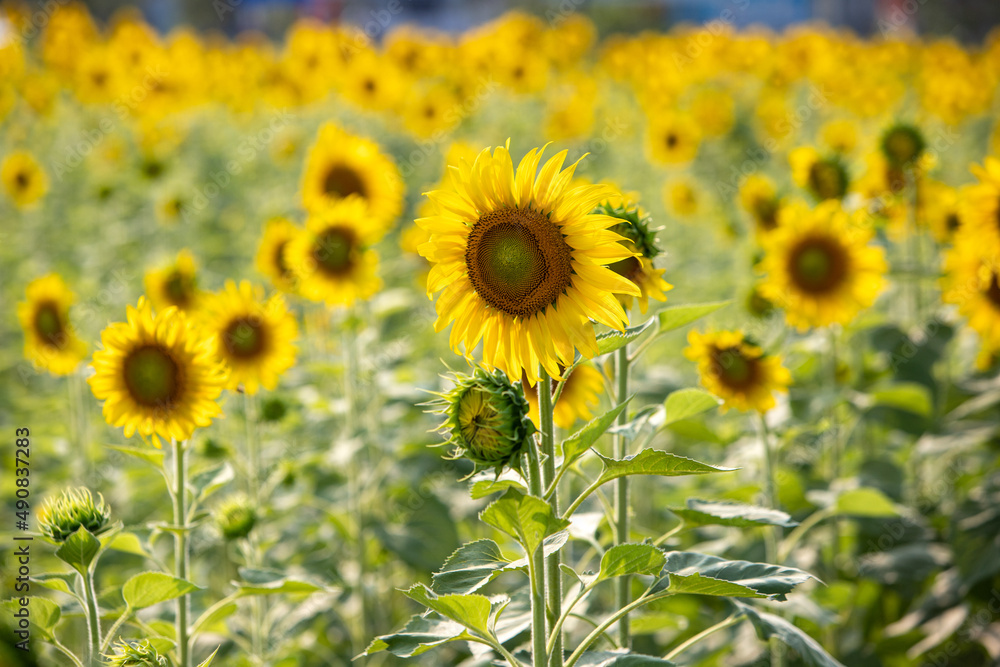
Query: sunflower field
(533,345)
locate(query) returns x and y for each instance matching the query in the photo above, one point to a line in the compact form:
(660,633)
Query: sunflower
(972,283)
(673,138)
(50,341)
(157,375)
(254,337)
(340,165)
(521,262)
(580,395)
(331,259)
(175,285)
(737,371)
(840,135)
(902,145)
(941,210)
(824,177)
(759,198)
(681,198)
(270,260)
(634,225)
(821,268)
(981,204)
(23,179)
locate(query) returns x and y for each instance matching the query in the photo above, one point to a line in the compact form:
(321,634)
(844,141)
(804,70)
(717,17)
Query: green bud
(136,654)
(634,226)
(235,516)
(273,409)
(63,515)
(902,145)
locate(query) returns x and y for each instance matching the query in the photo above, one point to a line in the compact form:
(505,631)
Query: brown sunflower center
(342,181)
(334,250)
(48,323)
(279,259)
(828,179)
(22,180)
(179,288)
(766,213)
(733,368)
(993,291)
(952,222)
(818,265)
(518,261)
(902,146)
(152,376)
(245,337)
(671,140)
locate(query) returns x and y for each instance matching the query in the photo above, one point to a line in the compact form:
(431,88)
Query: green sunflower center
(902,145)
(733,368)
(481,426)
(245,337)
(334,251)
(152,376)
(48,324)
(179,288)
(818,265)
(342,181)
(518,261)
(827,179)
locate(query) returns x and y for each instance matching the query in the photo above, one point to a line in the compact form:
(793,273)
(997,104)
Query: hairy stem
(93,618)
(552,572)
(536,570)
(181,553)
(623,583)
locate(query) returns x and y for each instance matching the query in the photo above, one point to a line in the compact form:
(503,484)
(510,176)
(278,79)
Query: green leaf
(147,454)
(211,480)
(79,550)
(471,567)
(695,429)
(279,586)
(148,588)
(575,445)
(631,559)
(702,574)
(471,610)
(675,317)
(724,513)
(909,396)
(528,519)
(129,543)
(620,658)
(609,341)
(421,634)
(162,644)
(685,403)
(769,625)
(487,487)
(62,582)
(655,462)
(219,613)
(865,502)
(209,659)
(44,614)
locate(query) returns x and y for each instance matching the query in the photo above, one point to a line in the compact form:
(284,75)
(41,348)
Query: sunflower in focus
(634,226)
(175,285)
(820,267)
(673,138)
(50,341)
(981,203)
(521,260)
(340,165)
(331,258)
(737,371)
(270,259)
(824,177)
(580,395)
(254,337)
(156,375)
(23,179)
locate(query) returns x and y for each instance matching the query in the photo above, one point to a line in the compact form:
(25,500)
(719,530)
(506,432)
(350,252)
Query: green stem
(66,652)
(536,570)
(773,533)
(583,496)
(552,572)
(688,643)
(796,535)
(623,583)
(93,618)
(608,622)
(110,637)
(181,553)
(253,445)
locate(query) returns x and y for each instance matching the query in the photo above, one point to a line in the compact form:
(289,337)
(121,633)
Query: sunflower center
(334,251)
(993,291)
(179,287)
(279,259)
(245,337)
(22,179)
(342,181)
(671,140)
(152,376)
(767,213)
(48,324)
(828,180)
(902,146)
(478,422)
(818,265)
(952,222)
(734,369)
(518,261)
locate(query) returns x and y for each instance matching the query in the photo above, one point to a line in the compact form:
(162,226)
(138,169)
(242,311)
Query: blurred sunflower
(175,285)
(157,375)
(681,198)
(254,337)
(840,135)
(902,145)
(580,395)
(673,138)
(521,262)
(941,210)
(23,178)
(50,341)
(981,204)
(972,283)
(824,177)
(341,165)
(270,259)
(736,370)
(331,259)
(759,198)
(820,268)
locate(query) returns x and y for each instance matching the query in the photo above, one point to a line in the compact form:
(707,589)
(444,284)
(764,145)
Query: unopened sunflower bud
(71,510)
(487,417)
(902,145)
(235,517)
(135,654)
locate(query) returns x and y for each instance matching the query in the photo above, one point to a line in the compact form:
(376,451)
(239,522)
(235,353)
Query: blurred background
(964,20)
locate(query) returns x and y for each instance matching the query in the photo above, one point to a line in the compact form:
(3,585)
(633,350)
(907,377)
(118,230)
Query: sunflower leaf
(148,454)
(769,625)
(624,559)
(421,634)
(471,610)
(724,513)
(702,574)
(685,403)
(676,317)
(528,519)
(609,341)
(79,550)
(148,588)
(620,658)
(655,462)
(575,445)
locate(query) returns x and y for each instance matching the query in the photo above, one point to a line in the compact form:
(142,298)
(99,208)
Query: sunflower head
(235,517)
(487,419)
(903,144)
(62,515)
(135,654)
(824,177)
(736,370)
(270,260)
(23,179)
(760,199)
(50,341)
(175,285)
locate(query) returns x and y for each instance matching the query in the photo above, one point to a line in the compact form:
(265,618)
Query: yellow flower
(432,109)
(23,179)
(331,259)
(840,136)
(759,198)
(980,204)
(271,259)
(940,210)
(825,178)
(673,138)
(50,340)
(736,370)
(640,238)
(681,197)
(156,375)
(820,267)
(972,283)
(341,165)
(254,337)
(175,285)
(521,260)
(580,395)
(372,82)
(712,110)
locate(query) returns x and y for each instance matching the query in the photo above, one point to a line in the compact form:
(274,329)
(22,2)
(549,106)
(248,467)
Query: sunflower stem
(93,617)
(623,584)
(181,552)
(552,571)
(254,559)
(536,567)
(773,535)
